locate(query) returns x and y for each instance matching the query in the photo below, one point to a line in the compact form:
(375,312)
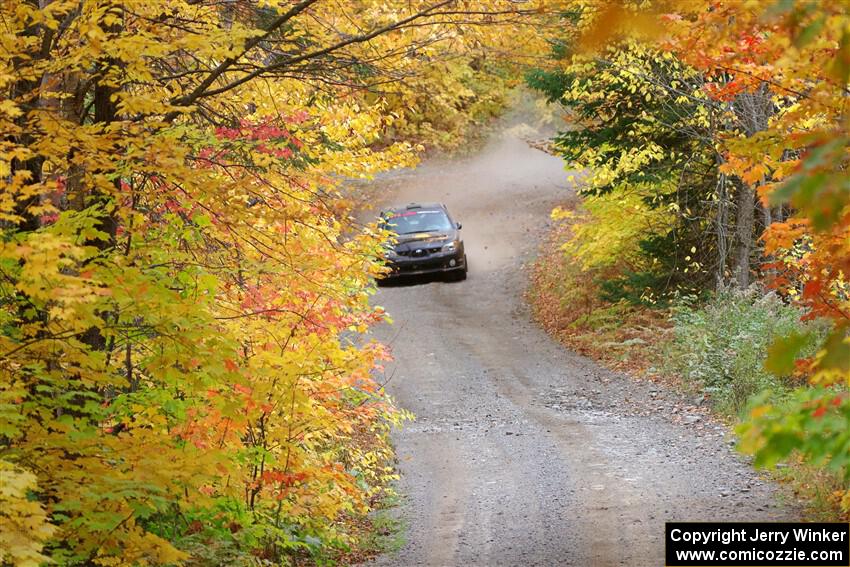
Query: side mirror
(459,226)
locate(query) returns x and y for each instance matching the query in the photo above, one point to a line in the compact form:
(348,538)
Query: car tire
(460,275)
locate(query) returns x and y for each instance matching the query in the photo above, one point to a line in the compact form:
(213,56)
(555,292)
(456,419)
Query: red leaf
(812,289)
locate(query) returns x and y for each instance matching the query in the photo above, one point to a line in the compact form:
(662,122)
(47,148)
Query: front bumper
(437,263)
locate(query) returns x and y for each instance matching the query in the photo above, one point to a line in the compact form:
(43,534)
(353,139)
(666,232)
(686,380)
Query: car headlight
(450,247)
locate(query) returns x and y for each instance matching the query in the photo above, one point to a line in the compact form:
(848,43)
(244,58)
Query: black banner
(757,544)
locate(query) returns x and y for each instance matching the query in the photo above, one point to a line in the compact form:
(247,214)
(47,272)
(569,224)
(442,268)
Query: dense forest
(186,368)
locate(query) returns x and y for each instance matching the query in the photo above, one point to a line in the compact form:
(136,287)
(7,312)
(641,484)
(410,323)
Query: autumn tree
(640,127)
(184,313)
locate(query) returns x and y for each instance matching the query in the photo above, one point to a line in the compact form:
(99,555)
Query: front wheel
(460,275)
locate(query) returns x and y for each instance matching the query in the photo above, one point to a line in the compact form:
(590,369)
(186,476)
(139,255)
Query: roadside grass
(714,348)
(380,530)
(821,491)
(388,532)
(377,533)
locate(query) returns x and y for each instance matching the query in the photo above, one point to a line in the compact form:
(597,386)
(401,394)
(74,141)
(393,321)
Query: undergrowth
(566,303)
(720,346)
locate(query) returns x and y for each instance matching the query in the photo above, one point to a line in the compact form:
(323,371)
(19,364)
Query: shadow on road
(410,281)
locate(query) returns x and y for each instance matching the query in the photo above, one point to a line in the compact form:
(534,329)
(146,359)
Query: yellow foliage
(24,524)
(609,227)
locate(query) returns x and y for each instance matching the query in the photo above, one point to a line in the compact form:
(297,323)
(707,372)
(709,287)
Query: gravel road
(522,452)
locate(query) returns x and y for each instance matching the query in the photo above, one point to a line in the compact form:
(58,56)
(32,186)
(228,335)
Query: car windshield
(409,222)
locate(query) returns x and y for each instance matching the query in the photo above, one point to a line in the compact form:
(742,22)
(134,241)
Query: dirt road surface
(523,453)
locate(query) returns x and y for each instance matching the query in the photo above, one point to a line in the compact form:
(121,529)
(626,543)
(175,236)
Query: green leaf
(779,446)
(836,352)
(809,33)
(840,68)
(783,352)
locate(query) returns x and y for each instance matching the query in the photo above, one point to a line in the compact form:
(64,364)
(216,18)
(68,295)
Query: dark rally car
(427,241)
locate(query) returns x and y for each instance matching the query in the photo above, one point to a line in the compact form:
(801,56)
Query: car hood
(405,241)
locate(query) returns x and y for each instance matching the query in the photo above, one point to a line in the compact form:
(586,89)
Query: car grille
(419,252)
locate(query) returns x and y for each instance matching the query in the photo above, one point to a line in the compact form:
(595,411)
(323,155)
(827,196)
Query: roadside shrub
(566,301)
(720,346)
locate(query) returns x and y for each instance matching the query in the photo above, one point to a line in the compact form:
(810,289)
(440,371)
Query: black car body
(427,241)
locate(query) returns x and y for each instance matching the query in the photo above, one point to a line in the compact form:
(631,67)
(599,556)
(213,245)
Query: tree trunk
(753,111)
(722,223)
(105,112)
(744,231)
